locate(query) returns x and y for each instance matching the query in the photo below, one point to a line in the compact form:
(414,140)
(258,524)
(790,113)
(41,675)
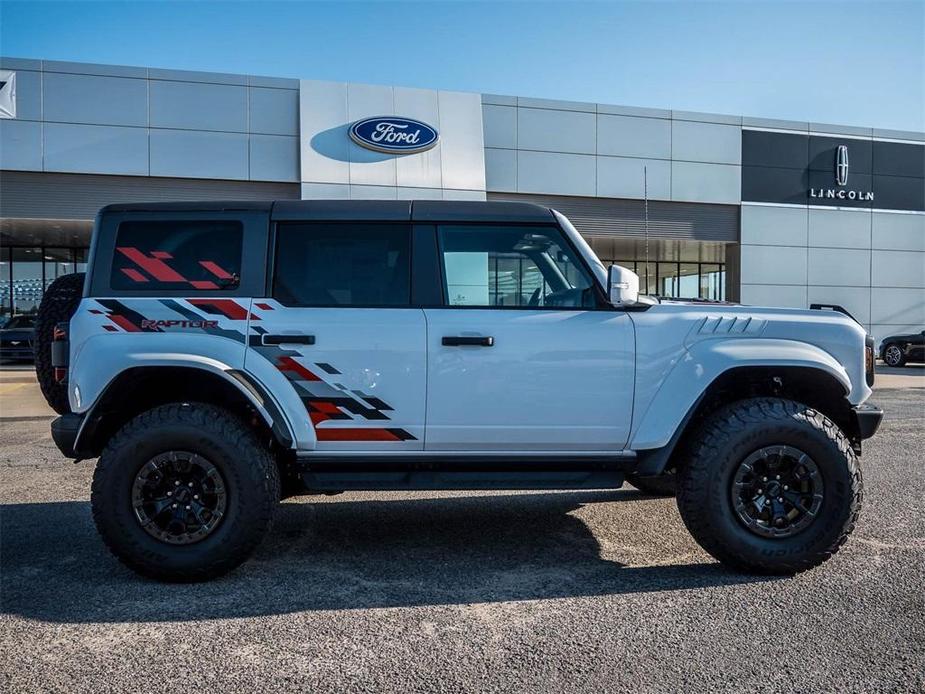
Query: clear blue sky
(839,62)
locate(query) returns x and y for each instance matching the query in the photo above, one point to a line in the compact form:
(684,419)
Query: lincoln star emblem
(841,165)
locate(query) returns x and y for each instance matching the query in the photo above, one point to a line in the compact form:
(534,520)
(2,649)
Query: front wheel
(770,486)
(894,356)
(184,492)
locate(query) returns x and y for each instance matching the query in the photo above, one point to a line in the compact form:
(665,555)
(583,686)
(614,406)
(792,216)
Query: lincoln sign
(841,179)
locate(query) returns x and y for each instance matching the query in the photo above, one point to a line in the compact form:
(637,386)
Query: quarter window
(187,255)
(520,267)
(343,265)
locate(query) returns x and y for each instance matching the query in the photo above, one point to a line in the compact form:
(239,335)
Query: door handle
(287,339)
(460,341)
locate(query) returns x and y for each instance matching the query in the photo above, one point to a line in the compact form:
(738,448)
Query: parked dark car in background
(16,338)
(896,350)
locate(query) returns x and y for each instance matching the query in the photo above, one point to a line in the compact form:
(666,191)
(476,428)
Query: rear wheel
(894,356)
(770,486)
(184,492)
(59,302)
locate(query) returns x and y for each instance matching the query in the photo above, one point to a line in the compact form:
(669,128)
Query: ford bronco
(218,357)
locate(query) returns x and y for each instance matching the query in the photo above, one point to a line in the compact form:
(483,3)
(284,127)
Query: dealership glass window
(679,280)
(343,265)
(712,282)
(27,279)
(6,287)
(204,255)
(58,262)
(529,267)
(25,272)
(689,285)
(669,279)
(80,259)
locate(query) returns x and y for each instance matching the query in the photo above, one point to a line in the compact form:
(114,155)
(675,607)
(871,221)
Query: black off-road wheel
(665,484)
(59,302)
(770,486)
(184,492)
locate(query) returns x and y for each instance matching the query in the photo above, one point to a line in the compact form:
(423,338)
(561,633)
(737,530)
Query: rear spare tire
(184,492)
(59,303)
(770,486)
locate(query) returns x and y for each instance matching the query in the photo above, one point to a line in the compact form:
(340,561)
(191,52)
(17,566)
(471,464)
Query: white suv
(223,355)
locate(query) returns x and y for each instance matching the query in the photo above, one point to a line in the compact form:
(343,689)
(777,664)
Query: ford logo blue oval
(393,135)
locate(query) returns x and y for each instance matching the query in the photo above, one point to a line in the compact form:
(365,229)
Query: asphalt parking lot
(531,591)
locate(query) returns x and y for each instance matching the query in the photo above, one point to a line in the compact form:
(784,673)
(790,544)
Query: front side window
(355,264)
(197,255)
(520,267)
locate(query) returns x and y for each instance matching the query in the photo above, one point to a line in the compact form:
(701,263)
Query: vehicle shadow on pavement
(340,555)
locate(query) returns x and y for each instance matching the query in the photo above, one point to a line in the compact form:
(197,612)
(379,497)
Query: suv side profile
(225,355)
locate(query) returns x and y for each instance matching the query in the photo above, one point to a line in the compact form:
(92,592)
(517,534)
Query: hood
(910,336)
(17,333)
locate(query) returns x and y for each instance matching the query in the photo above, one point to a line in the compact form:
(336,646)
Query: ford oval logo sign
(393,135)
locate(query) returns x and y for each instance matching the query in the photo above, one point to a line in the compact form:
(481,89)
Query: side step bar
(322,472)
(342,480)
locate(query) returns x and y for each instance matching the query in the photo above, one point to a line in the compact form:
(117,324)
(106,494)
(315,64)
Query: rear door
(522,356)
(339,325)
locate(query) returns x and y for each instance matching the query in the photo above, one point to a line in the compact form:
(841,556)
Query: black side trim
(442,479)
(64,433)
(833,307)
(279,428)
(654,460)
(322,462)
(867,418)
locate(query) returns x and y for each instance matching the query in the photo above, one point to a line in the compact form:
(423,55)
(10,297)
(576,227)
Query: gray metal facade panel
(38,195)
(626,218)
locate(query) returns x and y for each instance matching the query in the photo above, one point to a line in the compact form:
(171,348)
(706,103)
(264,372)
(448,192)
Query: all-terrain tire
(59,302)
(665,484)
(249,472)
(726,439)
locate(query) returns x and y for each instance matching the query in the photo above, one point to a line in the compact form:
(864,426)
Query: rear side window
(195,255)
(343,265)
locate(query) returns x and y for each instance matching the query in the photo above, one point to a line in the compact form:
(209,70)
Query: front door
(521,357)
(339,326)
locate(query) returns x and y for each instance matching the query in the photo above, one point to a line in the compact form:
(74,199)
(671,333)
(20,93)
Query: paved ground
(552,592)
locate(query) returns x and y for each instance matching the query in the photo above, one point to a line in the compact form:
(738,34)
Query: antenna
(645,198)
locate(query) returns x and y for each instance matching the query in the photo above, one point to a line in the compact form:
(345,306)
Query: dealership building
(762,211)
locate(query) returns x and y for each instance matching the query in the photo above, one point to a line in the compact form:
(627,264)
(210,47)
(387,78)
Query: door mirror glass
(622,286)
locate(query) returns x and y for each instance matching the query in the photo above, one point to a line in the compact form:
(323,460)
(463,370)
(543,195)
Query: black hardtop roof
(360,210)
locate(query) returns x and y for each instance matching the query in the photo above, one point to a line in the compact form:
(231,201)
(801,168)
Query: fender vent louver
(732,325)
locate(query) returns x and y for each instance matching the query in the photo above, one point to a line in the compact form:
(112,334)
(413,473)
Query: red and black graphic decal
(326,401)
(178,318)
(224,307)
(178,254)
(154,266)
(123,317)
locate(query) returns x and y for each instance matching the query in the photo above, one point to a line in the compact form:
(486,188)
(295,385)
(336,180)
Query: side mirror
(622,286)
